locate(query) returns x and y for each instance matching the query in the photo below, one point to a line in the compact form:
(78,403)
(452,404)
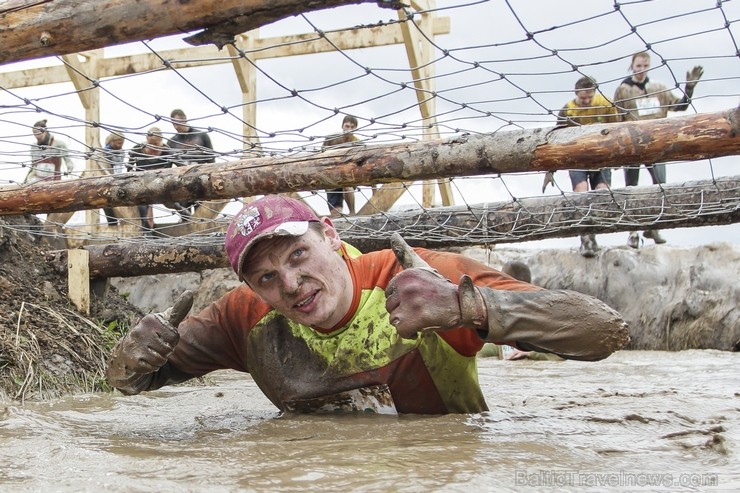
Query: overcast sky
(491,77)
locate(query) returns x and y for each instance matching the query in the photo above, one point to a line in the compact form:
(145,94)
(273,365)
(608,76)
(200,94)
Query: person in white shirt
(47,156)
(639,98)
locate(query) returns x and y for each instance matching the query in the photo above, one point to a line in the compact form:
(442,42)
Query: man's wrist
(473,310)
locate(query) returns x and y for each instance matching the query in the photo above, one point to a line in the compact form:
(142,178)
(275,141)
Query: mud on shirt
(303,368)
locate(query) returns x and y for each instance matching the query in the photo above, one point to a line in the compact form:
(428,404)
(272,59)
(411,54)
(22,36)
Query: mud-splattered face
(302,277)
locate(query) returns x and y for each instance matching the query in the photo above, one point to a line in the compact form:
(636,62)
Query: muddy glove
(419,299)
(549,180)
(692,78)
(146,347)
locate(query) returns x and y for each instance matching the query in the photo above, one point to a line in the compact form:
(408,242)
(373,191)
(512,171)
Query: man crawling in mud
(321,327)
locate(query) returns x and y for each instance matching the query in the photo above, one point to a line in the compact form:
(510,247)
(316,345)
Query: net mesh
(482,68)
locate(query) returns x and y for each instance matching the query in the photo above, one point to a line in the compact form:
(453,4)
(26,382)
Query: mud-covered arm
(498,308)
(692,78)
(154,354)
(140,359)
(567,323)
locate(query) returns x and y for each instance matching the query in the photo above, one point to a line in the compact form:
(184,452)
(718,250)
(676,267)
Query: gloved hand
(693,76)
(549,180)
(419,299)
(146,347)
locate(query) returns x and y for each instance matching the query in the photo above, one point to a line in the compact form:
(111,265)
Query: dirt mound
(48,348)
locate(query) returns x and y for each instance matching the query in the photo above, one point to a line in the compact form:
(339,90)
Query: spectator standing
(111,161)
(640,98)
(189,146)
(47,156)
(335,197)
(146,156)
(586,108)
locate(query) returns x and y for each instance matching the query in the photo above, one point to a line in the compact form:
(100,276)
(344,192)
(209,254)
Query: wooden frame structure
(246,50)
(700,136)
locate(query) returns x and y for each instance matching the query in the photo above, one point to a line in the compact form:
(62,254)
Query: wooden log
(588,147)
(681,205)
(684,205)
(148,258)
(42,29)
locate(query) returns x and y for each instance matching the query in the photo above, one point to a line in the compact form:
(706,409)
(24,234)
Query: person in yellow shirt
(586,108)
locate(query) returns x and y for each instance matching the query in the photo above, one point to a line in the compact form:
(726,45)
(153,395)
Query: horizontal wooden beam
(62,27)
(683,205)
(199,56)
(688,138)
(678,205)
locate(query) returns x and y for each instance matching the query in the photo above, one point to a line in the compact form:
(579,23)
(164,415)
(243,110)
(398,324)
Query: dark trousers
(632,174)
(110,215)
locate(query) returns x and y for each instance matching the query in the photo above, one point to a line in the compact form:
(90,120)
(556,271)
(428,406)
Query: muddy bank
(48,348)
(673,298)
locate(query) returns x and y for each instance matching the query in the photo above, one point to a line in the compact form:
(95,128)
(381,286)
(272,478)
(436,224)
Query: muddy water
(624,424)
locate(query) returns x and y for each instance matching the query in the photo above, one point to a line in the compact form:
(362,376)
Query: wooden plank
(244,66)
(383,199)
(427,194)
(264,48)
(420,51)
(445,192)
(81,77)
(92,132)
(78,279)
(417,54)
(700,136)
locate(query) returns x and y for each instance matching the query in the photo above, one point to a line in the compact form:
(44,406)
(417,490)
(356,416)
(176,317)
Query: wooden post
(420,53)
(244,66)
(89,96)
(78,278)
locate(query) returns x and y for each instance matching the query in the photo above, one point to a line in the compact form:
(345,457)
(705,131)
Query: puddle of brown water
(623,424)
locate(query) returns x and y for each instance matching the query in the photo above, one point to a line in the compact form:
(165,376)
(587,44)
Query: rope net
(483,67)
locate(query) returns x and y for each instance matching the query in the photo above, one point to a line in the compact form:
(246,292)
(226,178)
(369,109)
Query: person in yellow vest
(321,327)
(586,108)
